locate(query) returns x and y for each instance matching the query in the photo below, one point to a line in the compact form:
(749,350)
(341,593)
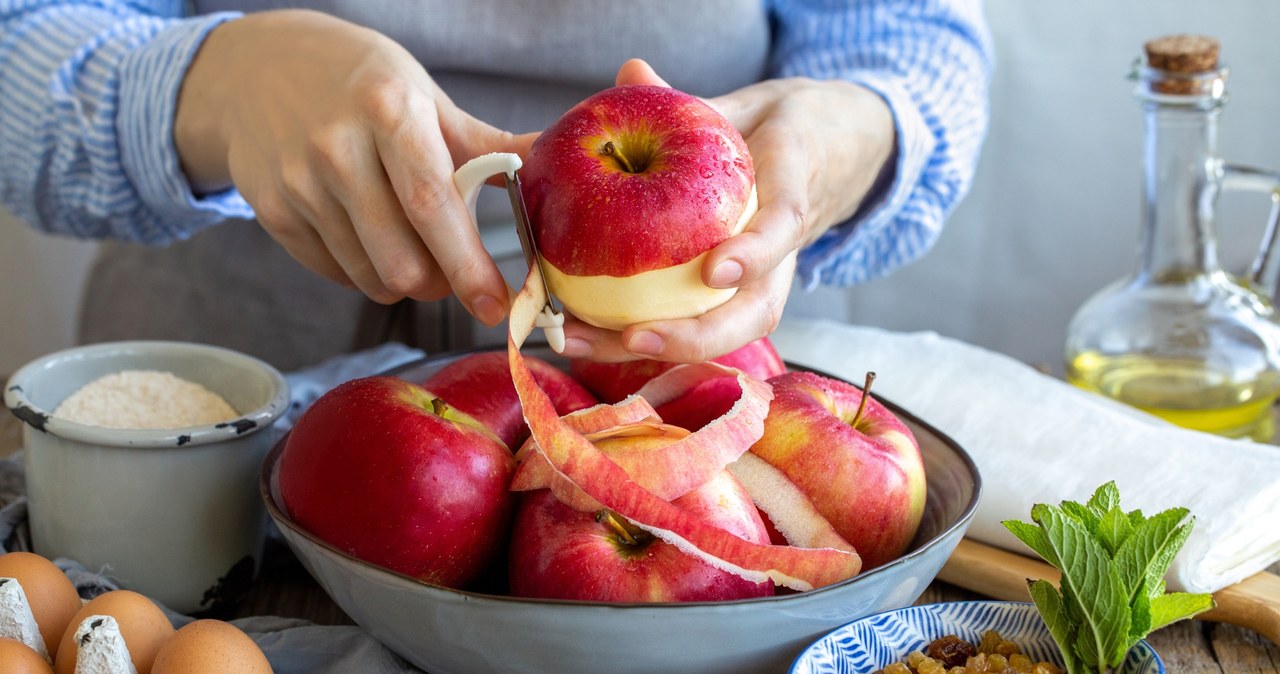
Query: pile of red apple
(712,483)
(638,481)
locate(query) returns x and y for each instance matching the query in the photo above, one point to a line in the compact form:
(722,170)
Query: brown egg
(52,597)
(210,647)
(142,624)
(18,658)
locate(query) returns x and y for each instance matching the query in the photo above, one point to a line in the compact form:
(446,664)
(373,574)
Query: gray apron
(515,64)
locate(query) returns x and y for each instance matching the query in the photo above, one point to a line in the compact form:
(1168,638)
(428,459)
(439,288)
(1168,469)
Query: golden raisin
(897,668)
(931,666)
(1020,662)
(990,639)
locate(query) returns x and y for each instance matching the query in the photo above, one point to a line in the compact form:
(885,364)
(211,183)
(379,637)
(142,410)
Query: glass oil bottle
(1181,337)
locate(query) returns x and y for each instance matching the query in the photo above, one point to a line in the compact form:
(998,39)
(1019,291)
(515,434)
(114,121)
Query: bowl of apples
(506,510)
(396,493)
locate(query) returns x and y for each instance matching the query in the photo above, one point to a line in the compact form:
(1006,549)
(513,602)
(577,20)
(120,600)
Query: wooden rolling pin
(1253,603)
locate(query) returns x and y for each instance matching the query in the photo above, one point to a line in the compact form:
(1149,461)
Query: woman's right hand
(345,147)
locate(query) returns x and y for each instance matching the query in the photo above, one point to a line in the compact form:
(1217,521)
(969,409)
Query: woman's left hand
(818,148)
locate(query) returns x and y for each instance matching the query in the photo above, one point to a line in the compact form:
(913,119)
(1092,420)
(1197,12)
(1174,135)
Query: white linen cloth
(1037,439)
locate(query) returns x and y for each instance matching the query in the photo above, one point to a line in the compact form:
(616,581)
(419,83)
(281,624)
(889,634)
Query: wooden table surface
(1190,647)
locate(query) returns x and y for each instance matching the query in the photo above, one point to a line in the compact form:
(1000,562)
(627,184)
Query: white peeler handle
(469,178)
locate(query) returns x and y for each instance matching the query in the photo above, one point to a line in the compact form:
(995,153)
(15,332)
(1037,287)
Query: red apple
(626,193)
(480,385)
(561,553)
(612,382)
(866,478)
(384,470)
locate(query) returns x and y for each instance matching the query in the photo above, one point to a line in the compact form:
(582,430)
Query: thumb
(638,71)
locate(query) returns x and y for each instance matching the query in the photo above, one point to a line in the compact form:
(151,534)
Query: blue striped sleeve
(931,61)
(87,95)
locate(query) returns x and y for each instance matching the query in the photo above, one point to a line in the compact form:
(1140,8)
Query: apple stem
(619,528)
(611,150)
(866,393)
(438,406)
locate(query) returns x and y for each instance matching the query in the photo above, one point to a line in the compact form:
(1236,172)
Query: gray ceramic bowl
(172,513)
(443,630)
(872,643)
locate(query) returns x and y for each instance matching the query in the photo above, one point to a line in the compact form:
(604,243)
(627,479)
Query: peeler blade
(524,229)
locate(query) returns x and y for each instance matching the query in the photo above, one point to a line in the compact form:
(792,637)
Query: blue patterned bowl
(874,642)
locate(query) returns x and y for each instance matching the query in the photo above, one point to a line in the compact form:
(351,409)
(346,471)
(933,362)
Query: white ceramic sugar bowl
(171,513)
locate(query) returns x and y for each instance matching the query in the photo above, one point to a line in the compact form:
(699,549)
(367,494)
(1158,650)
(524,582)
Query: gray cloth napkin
(291,646)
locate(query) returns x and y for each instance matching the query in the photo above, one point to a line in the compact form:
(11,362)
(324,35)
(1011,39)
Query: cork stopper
(1183,53)
(1182,57)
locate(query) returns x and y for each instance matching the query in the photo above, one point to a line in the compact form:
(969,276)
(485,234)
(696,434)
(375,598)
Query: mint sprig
(1113,562)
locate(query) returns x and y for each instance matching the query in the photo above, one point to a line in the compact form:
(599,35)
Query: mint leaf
(1160,563)
(1105,498)
(1081,514)
(1086,648)
(1061,627)
(1033,537)
(1176,606)
(1114,529)
(1139,616)
(1147,553)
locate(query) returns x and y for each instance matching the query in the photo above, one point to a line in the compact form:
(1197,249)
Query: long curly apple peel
(536,472)
(754,575)
(669,471)
(632,410)
(574,457)
(681,466)
(685,464)
(792,513)
(533,471)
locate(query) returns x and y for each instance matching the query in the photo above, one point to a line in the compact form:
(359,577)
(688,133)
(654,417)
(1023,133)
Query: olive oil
(1188,393)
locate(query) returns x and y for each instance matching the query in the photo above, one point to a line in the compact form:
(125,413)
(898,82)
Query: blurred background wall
(1053,215)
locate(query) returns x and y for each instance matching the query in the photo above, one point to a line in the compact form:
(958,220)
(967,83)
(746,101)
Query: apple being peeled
(612,382)
(384,470)
(480,385)
(626,193)
(558,552)
(866,477)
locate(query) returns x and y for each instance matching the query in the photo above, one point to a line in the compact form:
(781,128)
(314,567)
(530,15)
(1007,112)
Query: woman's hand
(818,148)
(345,147)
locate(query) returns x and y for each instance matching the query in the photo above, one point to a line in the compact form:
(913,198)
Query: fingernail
(575,347)
(489,310)
(726,274)
(645,343)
